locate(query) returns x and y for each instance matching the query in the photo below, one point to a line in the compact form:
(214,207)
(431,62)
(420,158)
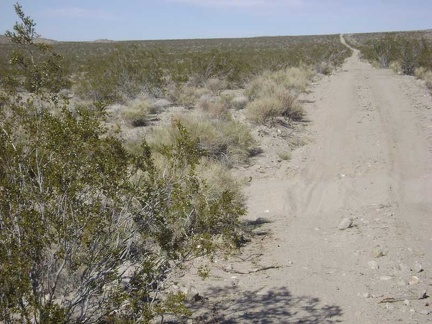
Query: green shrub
(89,231)
(34,66)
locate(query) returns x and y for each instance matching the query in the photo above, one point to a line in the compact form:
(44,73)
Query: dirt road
(369,164)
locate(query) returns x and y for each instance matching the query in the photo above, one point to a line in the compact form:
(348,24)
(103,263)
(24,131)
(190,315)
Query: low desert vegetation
(136,113)
(274,94)
(405,53)
(219,139)
(90,230)
(92,222)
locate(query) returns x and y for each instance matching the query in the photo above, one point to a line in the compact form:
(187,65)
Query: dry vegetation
(404,52)
(105,191)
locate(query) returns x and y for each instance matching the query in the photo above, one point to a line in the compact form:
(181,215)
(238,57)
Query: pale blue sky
(173,19)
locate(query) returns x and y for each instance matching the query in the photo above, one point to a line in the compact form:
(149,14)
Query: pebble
(366,295)
(424,312)
(385,278)
(373,265)
(345,223)
(414,280)
(406,302)
(378,252)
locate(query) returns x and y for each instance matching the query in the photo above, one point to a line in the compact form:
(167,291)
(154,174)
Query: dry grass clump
(274,94)
(234,101)
(223,140)
(267,84)
(262,109)
(396,67)
(216,85)
(282,104)
(324,67)
(239,102)
(218,178)
(216,109)
(424,74)
(428,79)
(185,95)
(136,113)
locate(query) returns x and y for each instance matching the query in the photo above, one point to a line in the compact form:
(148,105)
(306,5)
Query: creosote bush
(90,231)
(407,49)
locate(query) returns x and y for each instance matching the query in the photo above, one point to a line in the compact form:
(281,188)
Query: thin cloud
(81,13)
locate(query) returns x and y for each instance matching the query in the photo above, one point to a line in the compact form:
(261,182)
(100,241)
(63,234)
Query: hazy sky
(168,19)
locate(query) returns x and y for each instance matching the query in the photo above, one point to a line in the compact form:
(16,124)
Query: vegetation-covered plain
(92,223)
(405,52)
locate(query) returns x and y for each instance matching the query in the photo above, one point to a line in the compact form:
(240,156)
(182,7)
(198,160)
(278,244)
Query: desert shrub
(274,94)
(223,140)
(135,113)
(409,51)
(267,84)
(239,102)
(428,79)
(34,67)
(263,109)
(215,85)
(216,109)
(120,75)
(90,231)
(218,179)
(324,68)
(291,108)
(185,95)
(396,67)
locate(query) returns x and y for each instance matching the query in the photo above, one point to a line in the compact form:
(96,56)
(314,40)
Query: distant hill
(5,40)
(103,41)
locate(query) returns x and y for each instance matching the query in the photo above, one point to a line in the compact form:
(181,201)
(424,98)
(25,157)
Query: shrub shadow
(231,305)
(253,227)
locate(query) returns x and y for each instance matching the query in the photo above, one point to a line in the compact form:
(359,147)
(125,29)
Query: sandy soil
(366,167)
